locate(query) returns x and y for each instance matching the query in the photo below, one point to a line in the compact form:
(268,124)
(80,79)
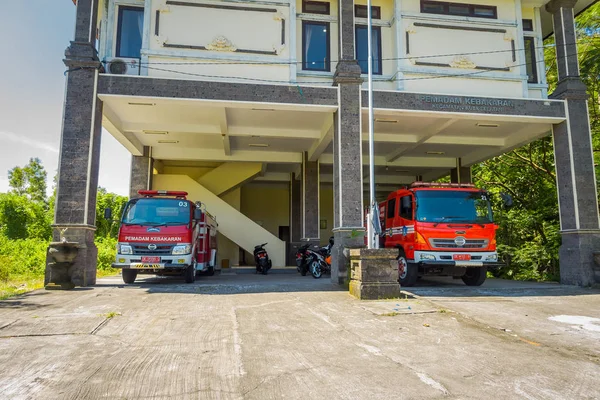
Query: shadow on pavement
(449,287)
(237,281)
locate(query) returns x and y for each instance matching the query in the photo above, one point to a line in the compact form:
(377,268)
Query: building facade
(258,108)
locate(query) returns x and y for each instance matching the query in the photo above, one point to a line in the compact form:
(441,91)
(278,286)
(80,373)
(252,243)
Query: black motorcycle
(301,259)
(261,258)
(319,261)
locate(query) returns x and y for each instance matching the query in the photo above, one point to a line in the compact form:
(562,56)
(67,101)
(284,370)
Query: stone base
(374,274)
(60,286)
(344,240)
(576,254)
(83,270)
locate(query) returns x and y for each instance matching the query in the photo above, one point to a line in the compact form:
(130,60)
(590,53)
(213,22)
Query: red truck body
(440,229)
(164,233)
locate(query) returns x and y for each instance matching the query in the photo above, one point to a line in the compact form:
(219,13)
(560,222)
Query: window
(362,12)
(406,212)
(315,7)
(362,50)
(528,25)
(391,208)
(461,9)
(129,31)
(531,60)
(315,46)
(453,207)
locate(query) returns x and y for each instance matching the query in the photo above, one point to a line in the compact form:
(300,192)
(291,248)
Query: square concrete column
(310,200)
(141,173)
(295,218)
(460,174)
(75,215)
(348,228)
(574,159)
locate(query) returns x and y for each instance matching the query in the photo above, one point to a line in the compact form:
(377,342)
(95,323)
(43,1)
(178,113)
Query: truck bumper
(166,262)
(445,259)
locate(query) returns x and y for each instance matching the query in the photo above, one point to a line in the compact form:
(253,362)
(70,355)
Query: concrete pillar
(348,228)
(576,180)
(295,219)
(141,173)
(460,174)
(310,200)
(75,214)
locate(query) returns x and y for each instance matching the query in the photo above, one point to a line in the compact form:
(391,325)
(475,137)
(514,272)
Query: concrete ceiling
(407,144)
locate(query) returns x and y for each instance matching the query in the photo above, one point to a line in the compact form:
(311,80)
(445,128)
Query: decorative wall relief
(221,43)
(462,62)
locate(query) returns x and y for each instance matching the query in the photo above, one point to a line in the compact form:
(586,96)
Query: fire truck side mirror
(197,214)
(108,214)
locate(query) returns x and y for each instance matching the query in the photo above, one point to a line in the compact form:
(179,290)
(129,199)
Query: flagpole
(371,243)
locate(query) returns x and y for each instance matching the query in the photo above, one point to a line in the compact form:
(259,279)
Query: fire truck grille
(160,249)
(450,244)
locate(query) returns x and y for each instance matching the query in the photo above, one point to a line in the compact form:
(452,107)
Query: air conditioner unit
(123,66)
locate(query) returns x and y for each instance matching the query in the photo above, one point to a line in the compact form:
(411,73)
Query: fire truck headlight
(492,257)
(182,249)
(125,249)
(425,256)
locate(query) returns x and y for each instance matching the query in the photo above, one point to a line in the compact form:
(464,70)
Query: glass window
(458,9)
(406,212)
(531,60)
(362,50)
(528,25)
(157,212)
(129,31)
(461,9)
(445,206)
(315,7)
(484,11)
(362,12)
(391,208)
(315,46)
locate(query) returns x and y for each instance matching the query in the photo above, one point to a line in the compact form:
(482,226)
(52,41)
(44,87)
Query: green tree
(29,180)
(116,203)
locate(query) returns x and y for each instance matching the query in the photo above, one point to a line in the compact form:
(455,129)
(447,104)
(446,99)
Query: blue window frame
(315,46)
(129,31)
(362,49)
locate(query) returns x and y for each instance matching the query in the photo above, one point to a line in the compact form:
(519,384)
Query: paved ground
(286,336)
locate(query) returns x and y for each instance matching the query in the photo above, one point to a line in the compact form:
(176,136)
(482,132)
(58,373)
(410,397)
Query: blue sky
(32,85)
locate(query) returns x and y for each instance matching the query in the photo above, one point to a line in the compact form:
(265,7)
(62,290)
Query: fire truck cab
(440,229)
(164,233)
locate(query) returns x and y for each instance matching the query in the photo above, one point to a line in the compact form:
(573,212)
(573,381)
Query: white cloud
(13,137)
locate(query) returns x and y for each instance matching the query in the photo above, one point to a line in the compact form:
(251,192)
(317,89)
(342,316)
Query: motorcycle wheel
(315,269)
(265,268)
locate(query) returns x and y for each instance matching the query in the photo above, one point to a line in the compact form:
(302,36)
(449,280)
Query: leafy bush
(24,256)
(107,250)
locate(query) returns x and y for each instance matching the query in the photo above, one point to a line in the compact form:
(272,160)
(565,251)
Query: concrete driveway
(242,336)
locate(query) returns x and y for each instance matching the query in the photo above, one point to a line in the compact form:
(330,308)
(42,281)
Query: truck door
(390,213)
(405,221)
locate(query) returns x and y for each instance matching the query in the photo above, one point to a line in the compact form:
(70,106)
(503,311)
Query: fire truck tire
(407,272)
(190,274)
(475,276)
(129,275)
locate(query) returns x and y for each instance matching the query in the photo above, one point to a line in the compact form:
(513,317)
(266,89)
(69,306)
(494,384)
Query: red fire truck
(440,229)
(164,233)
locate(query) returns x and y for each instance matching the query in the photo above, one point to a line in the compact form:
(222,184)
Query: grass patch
(111,314)
(16,285)
(390,314)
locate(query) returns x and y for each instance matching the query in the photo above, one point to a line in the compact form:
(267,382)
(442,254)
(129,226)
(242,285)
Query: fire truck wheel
(129,275)
(475,276)
(190,274)
(407,273)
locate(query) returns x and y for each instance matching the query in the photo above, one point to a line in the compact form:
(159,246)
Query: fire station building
(258,109)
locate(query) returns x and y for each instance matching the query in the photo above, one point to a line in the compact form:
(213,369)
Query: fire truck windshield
(154,212)
(447,206)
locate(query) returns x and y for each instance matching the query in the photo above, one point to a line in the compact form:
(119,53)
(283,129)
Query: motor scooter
(261,258)
(319,261)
